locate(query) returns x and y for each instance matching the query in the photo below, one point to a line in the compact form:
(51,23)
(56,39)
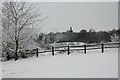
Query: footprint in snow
(21,72)
(12,73)
(3,70)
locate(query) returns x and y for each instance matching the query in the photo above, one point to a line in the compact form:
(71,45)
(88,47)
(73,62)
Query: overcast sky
(79,15)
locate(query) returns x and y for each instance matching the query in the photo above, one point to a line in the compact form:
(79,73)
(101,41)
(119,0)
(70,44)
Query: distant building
(70,30)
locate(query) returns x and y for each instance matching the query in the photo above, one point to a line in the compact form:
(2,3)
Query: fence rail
(85,47)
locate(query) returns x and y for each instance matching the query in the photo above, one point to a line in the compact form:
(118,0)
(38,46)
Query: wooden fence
(85,47)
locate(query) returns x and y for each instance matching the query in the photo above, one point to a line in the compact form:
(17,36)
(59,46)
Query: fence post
(52,50)
(84,49)
(102,47)
(37,52)
(68,50)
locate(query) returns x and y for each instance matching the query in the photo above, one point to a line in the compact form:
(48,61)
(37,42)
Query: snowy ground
(94,64)
(0,70)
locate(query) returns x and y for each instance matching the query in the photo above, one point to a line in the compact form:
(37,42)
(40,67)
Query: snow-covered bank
(94,64)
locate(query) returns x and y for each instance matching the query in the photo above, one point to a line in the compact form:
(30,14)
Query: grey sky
(79,15)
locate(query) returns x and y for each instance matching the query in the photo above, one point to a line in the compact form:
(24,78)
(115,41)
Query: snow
(94,64)
(66,44)
(0,70)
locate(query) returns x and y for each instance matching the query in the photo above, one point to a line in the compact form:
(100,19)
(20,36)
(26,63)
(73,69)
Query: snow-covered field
(94,64)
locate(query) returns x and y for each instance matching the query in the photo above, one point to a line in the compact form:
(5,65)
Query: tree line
(85,36)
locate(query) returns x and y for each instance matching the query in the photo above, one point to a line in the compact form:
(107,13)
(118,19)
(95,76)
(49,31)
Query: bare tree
(19,19)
